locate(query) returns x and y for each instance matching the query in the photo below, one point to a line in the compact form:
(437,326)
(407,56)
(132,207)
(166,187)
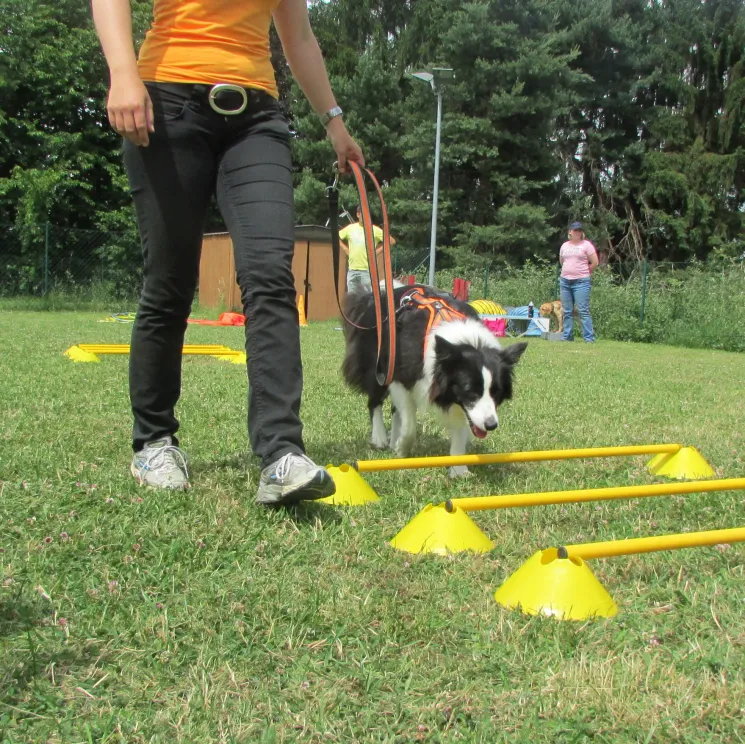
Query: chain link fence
(406,261)
(694,304)
(688,304)
(40,260)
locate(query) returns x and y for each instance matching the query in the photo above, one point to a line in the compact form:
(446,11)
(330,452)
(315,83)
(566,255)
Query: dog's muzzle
(491,423)
(228,99)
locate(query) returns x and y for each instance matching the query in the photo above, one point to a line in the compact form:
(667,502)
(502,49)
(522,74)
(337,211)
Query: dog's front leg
(458,445)
(405,407)
(379,436)
(395,426)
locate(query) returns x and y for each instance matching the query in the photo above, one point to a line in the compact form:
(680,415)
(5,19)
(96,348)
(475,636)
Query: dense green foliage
(623,113)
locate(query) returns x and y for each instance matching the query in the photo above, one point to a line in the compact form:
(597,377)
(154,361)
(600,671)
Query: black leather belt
(225,99)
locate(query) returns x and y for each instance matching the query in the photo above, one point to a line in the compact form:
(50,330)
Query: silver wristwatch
(329,115)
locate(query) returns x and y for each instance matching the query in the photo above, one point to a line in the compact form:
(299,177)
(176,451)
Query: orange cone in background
(301,311)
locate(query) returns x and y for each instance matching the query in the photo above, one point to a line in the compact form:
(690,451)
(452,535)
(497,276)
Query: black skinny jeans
(245,160)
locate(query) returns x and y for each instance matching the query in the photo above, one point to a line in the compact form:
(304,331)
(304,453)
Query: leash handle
(388,271)
(332,192)
(367,223)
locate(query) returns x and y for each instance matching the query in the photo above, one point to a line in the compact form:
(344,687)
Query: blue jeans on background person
(576,292)
(358,278)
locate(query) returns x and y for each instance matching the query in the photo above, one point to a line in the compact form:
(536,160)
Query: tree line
(625,114)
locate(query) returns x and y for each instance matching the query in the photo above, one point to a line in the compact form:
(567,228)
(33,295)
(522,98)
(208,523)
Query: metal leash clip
(335,185)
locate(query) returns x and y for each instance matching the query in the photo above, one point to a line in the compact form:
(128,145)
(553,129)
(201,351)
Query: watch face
(329,115)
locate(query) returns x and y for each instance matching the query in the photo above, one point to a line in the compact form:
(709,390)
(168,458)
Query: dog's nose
(491,423)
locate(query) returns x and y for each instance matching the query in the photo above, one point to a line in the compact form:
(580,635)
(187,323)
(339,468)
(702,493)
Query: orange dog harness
(439,310)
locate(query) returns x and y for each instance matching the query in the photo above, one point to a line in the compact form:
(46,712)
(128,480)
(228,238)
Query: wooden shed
(312,266)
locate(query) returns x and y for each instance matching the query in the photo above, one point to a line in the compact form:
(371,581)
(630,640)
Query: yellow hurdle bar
(652,544)
(410,463)
(189,349)
(545,498)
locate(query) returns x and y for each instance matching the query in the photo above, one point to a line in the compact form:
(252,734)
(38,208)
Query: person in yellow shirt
(199,115)
(352,241)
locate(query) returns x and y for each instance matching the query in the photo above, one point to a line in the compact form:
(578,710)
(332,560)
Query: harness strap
(437,307)
(333,195)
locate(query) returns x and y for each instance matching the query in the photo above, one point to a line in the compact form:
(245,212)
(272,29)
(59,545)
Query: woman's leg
(171,182)
(255,196)
(582,298)
(567,307)
(254,192)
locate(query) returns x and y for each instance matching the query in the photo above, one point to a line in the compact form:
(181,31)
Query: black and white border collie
(460,370)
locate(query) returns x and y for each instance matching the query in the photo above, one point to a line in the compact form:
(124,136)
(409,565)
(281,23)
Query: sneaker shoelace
(167,458)
(284,465)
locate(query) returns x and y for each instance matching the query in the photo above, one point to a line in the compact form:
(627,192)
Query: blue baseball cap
(576,226)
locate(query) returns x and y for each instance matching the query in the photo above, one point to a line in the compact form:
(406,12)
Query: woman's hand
(130,109)
(344,146)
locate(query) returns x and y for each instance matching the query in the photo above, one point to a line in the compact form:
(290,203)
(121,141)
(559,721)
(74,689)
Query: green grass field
(128,615)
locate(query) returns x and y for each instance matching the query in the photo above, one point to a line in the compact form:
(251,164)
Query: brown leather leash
(333,196)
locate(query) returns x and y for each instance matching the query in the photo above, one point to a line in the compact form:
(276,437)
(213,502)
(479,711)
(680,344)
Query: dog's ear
(445,352)
(512,353)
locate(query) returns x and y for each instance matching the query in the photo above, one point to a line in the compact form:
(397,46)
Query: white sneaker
(161,464)
(291,479)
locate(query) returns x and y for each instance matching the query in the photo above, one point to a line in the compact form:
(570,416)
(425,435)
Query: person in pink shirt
(578,259)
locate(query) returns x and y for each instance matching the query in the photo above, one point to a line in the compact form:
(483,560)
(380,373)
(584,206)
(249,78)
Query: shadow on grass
(16,680)
(19,615)
(310,512)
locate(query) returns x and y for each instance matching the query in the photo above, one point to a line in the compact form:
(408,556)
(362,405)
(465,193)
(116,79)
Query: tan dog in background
(553,310)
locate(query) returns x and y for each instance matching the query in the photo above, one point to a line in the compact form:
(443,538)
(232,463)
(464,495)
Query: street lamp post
(437,79)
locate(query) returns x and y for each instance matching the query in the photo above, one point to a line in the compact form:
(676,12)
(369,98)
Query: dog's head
(476,378)
(546,309)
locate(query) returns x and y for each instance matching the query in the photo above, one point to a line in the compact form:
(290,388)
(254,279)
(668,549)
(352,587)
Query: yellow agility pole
(90,352)
(545,498)
(196,349)
(636,545)
(410,463)
(559,583)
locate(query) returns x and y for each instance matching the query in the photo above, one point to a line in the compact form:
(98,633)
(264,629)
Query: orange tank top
(210,41)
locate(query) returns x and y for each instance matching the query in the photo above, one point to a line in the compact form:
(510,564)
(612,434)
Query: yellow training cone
(351,488)
(687,464)
(437,530)
(79,355)
(301,311)
(239,358)
(564,588)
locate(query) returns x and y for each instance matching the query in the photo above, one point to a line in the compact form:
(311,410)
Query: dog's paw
(459,471)
(379,441)
(404,447)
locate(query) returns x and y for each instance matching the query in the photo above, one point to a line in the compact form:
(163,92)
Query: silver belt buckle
(235,89)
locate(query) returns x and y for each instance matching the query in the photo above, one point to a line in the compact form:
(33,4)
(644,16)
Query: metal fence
(37,260)
(635,283)
(43,259)
(695,304)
